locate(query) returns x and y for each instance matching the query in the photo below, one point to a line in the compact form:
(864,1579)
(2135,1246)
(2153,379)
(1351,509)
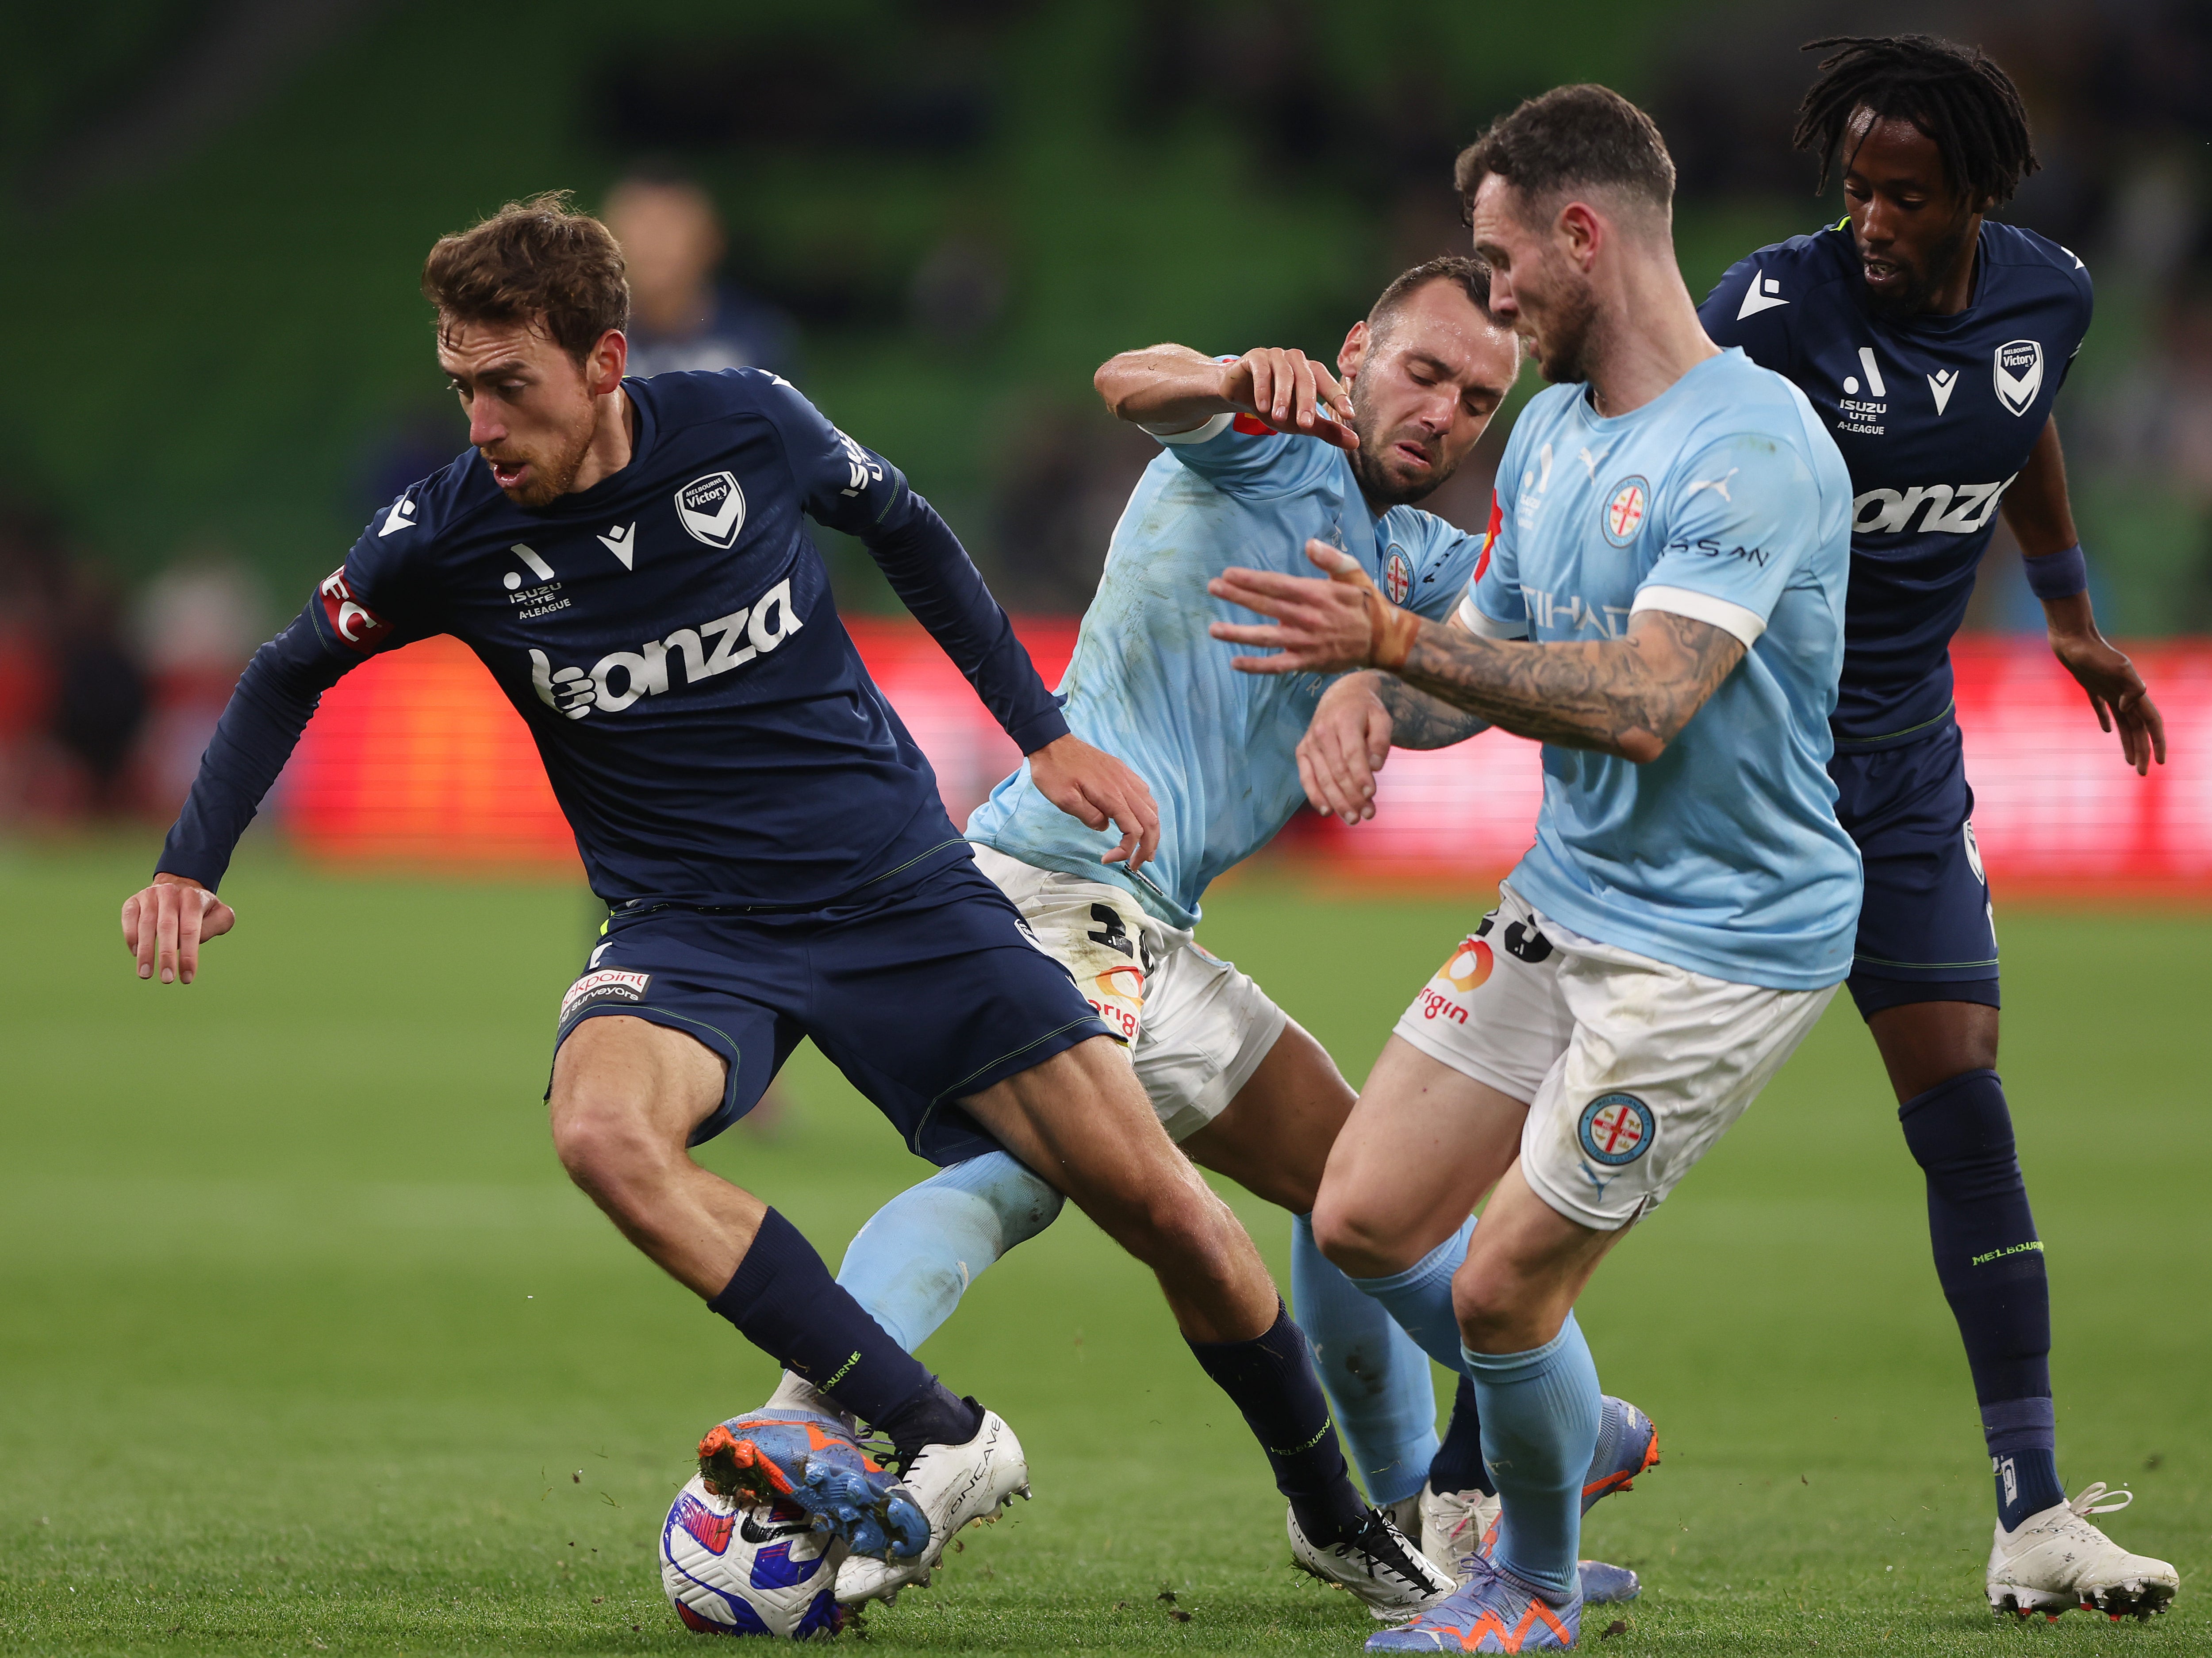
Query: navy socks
(1458,1465)
(1271,1380)
(2022,1436)
(783,1301)
(1990,1262)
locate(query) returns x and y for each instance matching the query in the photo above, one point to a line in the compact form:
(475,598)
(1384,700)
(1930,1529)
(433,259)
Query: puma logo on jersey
(1718,486)
(1956,509)
(620,677)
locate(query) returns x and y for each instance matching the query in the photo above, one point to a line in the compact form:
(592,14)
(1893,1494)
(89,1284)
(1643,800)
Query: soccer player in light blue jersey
(1260,453)
(1662,607)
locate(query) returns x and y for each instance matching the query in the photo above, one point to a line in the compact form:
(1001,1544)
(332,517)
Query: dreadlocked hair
(1955,93)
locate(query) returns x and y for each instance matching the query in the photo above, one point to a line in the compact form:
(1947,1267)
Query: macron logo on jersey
(401,517)
(1763,294)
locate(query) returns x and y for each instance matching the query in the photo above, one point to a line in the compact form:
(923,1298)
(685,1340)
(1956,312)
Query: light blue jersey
(1148,684)
(1724,499)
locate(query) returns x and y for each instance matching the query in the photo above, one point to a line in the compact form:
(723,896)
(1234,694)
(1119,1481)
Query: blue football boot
(813,1463)
(1491,1611)
(1605,1584)
(1627,1445)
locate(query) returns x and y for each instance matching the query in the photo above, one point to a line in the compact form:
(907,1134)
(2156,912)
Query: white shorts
(1630,1068)
(1196,1029)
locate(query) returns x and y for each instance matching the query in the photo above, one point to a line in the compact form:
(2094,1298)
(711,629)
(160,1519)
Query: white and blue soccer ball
(730,1569)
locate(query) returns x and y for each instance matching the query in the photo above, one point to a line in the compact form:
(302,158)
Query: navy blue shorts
(921,997)
(1926,933)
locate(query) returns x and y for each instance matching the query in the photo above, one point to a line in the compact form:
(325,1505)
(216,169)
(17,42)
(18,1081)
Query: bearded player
(1933,341)
(1661,606)
(1259,453)
(629,560)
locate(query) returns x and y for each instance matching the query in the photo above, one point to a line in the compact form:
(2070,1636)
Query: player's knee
(1961,1134)
(1185,1229)
(1359,1241)
(604,1142)
(1493,1306)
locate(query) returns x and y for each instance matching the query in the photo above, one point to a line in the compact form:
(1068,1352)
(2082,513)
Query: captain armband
(2058,575)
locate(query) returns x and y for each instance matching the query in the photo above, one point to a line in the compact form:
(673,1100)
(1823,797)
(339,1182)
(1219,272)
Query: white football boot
(956,1486)
(1391,1578)
(1458,1528)
(2056,1559)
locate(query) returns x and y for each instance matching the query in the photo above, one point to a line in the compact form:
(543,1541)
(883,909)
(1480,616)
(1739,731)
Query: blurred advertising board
(416,759)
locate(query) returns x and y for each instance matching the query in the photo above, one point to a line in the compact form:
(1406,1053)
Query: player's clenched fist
(164,924)
(1291,392)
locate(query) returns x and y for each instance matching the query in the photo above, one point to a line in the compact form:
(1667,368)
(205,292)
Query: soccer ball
(730,1569)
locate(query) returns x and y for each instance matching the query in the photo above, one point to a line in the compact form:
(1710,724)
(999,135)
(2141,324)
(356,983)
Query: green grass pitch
(306,1345)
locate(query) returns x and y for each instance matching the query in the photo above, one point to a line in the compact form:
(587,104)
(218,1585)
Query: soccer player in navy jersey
(1933,342)
(627,559)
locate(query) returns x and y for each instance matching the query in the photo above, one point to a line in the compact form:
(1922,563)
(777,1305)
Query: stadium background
(266,1244)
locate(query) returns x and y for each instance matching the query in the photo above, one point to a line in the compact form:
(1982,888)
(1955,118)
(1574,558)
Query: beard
(1563,349)
(1920,279)
(551,475)
(1379,479)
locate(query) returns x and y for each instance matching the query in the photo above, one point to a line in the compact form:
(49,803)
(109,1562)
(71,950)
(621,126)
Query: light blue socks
(1540,1419)
(909,1265)
(1420,1298)
(915,1257)
(1377,1380)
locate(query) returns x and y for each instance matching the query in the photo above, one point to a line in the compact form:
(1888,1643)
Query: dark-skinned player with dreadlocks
(1932,340)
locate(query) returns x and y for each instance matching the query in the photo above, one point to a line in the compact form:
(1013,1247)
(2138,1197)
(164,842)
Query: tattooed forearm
(1629,697)
(1419,720)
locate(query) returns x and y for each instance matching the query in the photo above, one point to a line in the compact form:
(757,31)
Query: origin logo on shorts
(607,985)
(1616,1129)
(1469,966)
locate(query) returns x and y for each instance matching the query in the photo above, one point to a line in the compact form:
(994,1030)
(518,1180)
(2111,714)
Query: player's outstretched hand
(1292,393)
(2116,692)
(1093,787)
(1343,749)
(1320,627)
(164,924)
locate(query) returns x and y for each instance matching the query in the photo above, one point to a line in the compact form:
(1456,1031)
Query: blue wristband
(2058,575)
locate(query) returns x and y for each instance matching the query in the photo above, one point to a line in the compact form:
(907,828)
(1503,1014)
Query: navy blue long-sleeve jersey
(670,638)
(1934,415)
